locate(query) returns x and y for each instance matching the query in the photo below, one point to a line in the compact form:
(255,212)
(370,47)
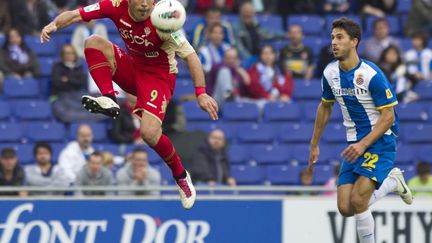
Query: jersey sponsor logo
(135,39)
(360,80)
(389,94)
(151,54)
(147,31)
(91,8)
(348,92)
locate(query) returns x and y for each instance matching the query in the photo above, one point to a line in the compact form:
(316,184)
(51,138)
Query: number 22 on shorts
(370,161)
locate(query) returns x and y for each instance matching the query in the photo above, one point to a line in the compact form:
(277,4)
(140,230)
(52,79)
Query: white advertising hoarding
(317,220)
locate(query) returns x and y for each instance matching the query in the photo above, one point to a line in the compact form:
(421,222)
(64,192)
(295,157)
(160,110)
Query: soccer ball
(168,15)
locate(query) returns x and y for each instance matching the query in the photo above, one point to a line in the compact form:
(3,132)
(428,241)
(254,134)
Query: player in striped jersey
(367,100)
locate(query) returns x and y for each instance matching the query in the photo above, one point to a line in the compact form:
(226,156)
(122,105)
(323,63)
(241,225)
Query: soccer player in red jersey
(148,70)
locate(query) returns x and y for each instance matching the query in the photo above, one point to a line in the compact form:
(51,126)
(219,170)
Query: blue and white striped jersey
(361,93)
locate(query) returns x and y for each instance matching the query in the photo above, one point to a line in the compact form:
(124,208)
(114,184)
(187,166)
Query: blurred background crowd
(263,60)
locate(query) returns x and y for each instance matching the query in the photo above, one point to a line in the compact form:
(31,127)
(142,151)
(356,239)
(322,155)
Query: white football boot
(402,188)
(187,191)
(101,104)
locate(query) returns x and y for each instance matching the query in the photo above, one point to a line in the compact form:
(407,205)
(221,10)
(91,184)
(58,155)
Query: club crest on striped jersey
(360,79)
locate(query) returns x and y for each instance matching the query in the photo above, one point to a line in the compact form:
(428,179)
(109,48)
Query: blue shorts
(375,163)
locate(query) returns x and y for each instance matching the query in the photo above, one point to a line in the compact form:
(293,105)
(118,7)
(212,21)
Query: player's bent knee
(345,210)
(150,136)
(359,203)
(95,41)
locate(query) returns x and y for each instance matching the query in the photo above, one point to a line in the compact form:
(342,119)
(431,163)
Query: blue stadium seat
(336,115)
(239,154)
(307,90)
(99,131)
(424,90)
(166,175)
(405,43)
(283,174)
(335,133)
(296,133)
(26,88)
(409,171)
(46,49)
(46,131)
(10,132)
(330,18)
(257,133)
(403,6)
(247,175)
(310,109)
(315,43)
(204,126)
(111,27)
(33,110)
(300,153)
(2,40)
(238,111)
(107,147)
(311,24)
(322,173)
(329,153)
(61,39)
(194,113)
(394,24)
(405,154)
(418,134)
(46,65)
(231,18)
(281,111)
(424,153)
(191,22)
(183,87)
(279,44)
(24,152)
(271,22)
(411,112)
(5,110)
(57,148)
(269,154)
(183,71)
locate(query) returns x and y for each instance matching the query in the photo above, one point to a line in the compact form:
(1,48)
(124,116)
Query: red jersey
(152,50)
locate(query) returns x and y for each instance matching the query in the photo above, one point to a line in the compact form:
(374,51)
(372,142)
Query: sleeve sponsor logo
(178,37)
(91,8)
(389,94)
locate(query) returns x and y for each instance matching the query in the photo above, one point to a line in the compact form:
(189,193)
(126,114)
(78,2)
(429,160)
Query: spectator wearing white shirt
(44,173)
(74,156)
(419,58)
(213,52)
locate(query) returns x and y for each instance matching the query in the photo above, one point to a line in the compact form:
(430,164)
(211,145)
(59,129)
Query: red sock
(166,151)
(100,70)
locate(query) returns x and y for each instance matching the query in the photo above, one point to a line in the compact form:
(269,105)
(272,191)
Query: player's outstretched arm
(63,20)
(206,102)
(322,117)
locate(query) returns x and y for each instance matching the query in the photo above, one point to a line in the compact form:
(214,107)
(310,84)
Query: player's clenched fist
(46,31)
(209,105)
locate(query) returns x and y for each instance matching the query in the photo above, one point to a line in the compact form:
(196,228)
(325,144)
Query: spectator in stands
(306,179)
(67,74)
(94,173)
(296,57)
(419,17)
(267,80)
(227,80)
(380,40)
(83,31)
(175,119)
(138,172)
(249,33)
(125,128)
(11,172)
(212,16)
(336,6)
(331,184)
(419,58)
(298,6)
(108,160)
(211,163)
(423,179)
(396,71)
(325,57)
(29,16)
(17,58)
(225,6)
(74,156)
(5,17)
(378,8)
(213,52)
(43,173)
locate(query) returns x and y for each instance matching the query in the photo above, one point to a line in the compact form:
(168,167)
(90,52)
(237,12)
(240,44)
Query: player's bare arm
(206,102)
(384,123)
(63,20)
(322,117)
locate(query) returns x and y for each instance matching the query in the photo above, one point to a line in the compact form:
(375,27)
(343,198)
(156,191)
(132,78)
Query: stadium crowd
(263,60)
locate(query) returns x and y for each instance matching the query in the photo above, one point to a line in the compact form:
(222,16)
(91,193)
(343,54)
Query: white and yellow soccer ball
(168,16)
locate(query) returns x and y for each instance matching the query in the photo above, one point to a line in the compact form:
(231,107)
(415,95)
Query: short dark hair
(423,168)
(139,150)
(379,20)
(8,153)
(215,25)
(421,35)
(213,10)
(42,145)
(351,27)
